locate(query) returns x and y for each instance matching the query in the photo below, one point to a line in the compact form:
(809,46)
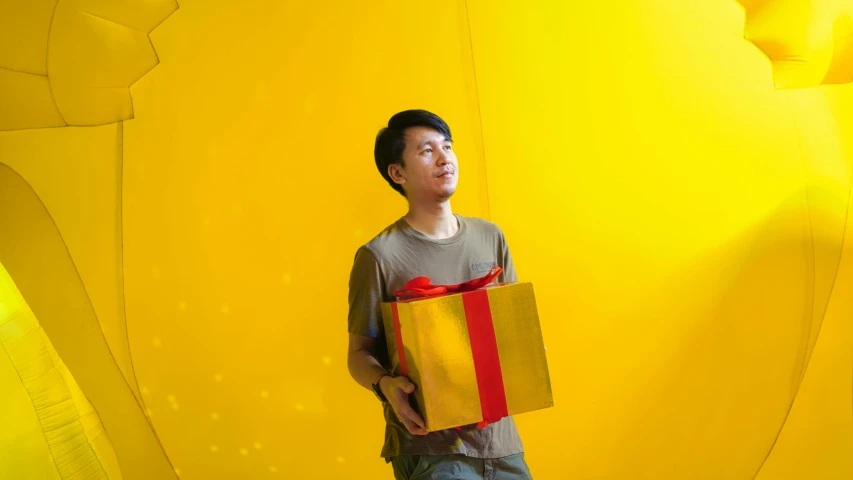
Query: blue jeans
(460,467)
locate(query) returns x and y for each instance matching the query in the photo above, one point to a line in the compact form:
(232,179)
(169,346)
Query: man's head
(414,154)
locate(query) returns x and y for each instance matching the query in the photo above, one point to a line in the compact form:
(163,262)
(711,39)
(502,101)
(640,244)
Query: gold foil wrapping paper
(438,354)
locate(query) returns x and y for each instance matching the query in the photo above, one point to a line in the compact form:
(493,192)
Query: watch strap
(378,391)
(380,377)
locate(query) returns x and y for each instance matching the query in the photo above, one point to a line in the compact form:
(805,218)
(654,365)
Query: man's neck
(435,221)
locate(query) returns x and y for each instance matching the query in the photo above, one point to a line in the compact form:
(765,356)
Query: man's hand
(397,390)
(365,369)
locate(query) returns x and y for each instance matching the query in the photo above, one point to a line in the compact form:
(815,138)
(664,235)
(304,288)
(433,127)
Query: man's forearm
(364,368)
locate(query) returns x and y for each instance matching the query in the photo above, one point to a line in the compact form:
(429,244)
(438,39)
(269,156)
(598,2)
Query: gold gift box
(454,359)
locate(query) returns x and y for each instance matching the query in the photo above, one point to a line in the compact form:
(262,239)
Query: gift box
(474,350)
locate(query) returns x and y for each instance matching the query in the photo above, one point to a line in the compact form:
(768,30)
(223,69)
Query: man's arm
(365,332)
(365,318)
(365,369)
(361,361)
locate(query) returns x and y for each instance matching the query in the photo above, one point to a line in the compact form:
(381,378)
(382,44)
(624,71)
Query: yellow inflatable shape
(78,445)
(35,256)
(683,219)
(74,170)
(71,62)
(817,437)
(822,139)
(810,42)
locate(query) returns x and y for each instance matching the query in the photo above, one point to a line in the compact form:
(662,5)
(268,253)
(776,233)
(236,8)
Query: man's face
(431,169)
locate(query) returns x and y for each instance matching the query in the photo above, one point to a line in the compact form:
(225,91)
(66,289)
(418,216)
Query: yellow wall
(249,185)
(681,219)
(656,197)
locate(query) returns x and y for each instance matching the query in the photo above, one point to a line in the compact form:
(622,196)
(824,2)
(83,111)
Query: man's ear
(396,174)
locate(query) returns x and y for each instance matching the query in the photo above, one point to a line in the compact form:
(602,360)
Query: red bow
(421,286)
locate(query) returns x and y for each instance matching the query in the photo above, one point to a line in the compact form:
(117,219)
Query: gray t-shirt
(382,266)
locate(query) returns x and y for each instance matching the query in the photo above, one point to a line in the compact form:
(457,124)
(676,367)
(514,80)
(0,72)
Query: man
(415,156)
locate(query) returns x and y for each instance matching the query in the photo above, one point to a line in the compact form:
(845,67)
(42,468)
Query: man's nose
(442,158)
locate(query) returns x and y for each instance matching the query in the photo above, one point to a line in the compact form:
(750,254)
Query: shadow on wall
(34,253)
(841,68)
(720,379)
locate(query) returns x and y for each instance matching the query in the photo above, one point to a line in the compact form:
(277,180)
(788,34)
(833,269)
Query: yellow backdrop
(674,177)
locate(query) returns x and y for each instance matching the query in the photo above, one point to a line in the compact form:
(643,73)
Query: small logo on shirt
(483,267)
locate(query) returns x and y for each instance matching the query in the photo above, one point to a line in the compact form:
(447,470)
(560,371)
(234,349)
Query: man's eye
(428,150)
(447,147)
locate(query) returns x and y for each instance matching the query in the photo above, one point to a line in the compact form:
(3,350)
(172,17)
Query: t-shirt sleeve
(508,275)
(365,295)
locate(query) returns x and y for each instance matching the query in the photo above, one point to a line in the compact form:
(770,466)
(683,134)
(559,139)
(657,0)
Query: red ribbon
(421,286)
(481,334)
(399,337)
(487,362)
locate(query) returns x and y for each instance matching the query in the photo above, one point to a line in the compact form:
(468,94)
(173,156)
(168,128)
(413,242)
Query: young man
(415,156)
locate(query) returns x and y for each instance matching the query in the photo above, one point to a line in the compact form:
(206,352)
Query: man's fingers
(413,428)
(410,419)
(414,417)
(406,385)
(407,415)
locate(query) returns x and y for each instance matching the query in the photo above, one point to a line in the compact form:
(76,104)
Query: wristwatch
(377,390)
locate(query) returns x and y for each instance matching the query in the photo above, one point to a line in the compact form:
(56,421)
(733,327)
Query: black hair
(391,140)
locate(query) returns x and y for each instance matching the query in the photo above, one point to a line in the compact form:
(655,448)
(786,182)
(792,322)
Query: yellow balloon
(50,428)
